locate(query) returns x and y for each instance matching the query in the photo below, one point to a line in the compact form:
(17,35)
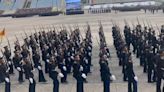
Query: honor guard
(28,70)
(37,65)
(17,60)
(7,54)
(78,75)
(105,73)
(4,75)
(53,74)
(132,78)
(160,70)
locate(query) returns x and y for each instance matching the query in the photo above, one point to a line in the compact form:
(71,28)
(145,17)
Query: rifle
(147,23)
(126,22)
(8,43)
(158,28)
(133,25)
(144,23)
(112,22)
(97,41)
(5,60)
(34,29)
(138,21)
(25,33)
(17,39)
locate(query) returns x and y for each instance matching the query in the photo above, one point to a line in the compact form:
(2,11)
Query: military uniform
(37,64)
(7,54)
(17,60)
(4,75)
(131,77)
(53,74)
(105,75)
(78,75)
(160,71)
(28,68)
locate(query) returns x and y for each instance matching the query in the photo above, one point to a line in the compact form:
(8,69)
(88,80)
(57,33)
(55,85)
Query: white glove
(86,61)
(73,49)
(84,76)
(72,57)
(107,54)
(61,75)
(7,80)
(18,68)
(9,62)
(64,68)
(48,55)
(89,53)
(81,68)
(56,53)
(31,80)
(47,61)
(39,67)
(89,48)
(136,78)
(113,77)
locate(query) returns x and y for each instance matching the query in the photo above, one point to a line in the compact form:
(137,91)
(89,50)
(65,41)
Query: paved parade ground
(16,26)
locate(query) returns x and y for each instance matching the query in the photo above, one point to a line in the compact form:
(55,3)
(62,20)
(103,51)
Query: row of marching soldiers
(125,59)
(106,76)
(61,53)
(148,48)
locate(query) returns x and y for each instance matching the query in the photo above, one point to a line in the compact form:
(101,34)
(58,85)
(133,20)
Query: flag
(2,33)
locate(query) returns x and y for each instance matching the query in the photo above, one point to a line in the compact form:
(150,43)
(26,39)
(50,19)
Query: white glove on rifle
(86,61)
(7,80)
(9,62)
(89,53)
(31,80)
(113,77)
(47,61)
(89,48)
(72,57)
(61,75)
(64,68)
(18,68)
(39,67)
(84,75)
(136,78)
(108,54)
(56,53)
(81,68)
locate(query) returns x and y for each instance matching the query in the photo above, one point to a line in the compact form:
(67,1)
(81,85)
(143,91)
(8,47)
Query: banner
(73,4)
